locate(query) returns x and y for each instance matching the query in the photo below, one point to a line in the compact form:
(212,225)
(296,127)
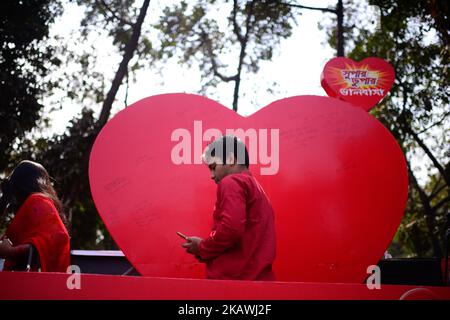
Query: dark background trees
(255,28)
(414,38)
(25,60)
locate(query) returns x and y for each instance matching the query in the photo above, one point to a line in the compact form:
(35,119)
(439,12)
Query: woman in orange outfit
(37,226)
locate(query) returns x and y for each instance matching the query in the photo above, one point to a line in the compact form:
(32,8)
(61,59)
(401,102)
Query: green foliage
(65,157)
(114,16)
(412,39)
(25,59)
(191,32)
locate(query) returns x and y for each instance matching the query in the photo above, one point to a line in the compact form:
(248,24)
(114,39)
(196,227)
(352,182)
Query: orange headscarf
(37,222)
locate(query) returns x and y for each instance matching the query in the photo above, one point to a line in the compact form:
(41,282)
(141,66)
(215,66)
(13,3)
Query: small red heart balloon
(362,83)
(336,177)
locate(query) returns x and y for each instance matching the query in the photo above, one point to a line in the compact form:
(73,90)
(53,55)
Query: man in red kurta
(242,243)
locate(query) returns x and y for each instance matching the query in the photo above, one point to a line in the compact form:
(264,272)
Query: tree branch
(236,29)
(419,141)
(440,21)
(428,211)
(125,100)
(215,67)
(130,47)
(299,6)
(429,154)
(248,28)
(114,15)
(107,104)
(219,75)
(436,188)
(441,203)
(436,123)
(339,12)
(340,28)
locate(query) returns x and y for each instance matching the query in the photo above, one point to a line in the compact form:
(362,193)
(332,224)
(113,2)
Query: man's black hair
(223,146)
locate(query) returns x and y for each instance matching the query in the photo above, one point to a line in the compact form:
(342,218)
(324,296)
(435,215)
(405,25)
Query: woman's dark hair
(27,178)
(225,145)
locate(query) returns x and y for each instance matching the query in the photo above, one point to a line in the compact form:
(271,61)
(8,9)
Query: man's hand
(192,245)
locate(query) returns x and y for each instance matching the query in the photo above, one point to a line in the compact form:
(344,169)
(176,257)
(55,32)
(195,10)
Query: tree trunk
(243,40)
(427,151)
(123,67)
(429,214)
(130,48)
(236,93)
(340,28)
(237,81)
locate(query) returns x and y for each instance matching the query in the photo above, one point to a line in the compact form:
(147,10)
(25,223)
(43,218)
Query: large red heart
(339,191)
(362,83)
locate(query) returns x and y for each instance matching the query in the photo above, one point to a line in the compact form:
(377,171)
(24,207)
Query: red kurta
(242,242)
(37,222)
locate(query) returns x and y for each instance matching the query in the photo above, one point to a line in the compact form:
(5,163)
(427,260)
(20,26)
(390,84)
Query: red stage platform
(36,286)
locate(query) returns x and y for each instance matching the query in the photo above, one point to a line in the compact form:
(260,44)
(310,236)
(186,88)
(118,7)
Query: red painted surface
(362,83)
(339,192)
(21,285)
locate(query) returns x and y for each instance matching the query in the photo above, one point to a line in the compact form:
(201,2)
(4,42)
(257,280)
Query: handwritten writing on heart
(338,194)
(362,83)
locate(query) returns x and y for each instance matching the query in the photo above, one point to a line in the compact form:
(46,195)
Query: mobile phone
(182,235)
